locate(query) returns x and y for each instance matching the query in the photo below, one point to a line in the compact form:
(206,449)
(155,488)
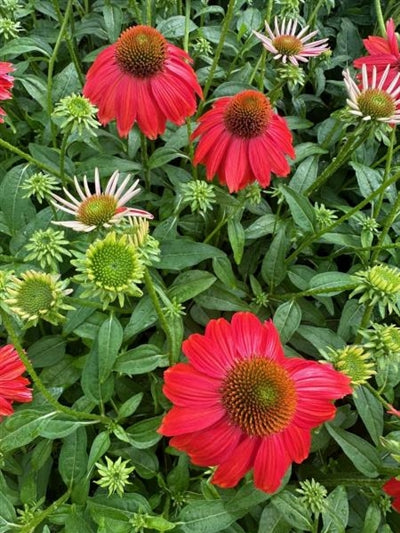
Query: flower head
(137,229)
(243,140)
(6,84)
(240,404)
(199,194)
(47,247)
(13,387)
(39,185)
(98,209)
(35,295)
(354,362)
(371,100)
(9,28)
(145,79)
(114,475)
(379,284)
(110,269)
(384,52)
(312,494)
(78,112)
(383,340)
(286,45)
(392,488)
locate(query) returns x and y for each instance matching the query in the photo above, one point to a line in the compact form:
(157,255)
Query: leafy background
(267,252)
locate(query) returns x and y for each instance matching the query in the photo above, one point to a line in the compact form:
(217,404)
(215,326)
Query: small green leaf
(301,210)
(204,517)
(287,319)
(99,447)
(189,284)
(183,253)
(73,457)
(109,341)
(331,283)
(292,510)
(371,412)
(236,238)
(273,269)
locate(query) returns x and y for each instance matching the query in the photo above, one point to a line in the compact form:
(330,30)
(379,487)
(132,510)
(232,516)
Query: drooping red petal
(392,488)
(182,420)
(270,464)
(229,472)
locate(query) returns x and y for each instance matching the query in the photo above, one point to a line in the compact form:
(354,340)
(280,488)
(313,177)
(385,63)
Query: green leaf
(164,155)
(236,237)
(17,211)
(116,507)
(189,284)
(305,174)
(273,268)
(331,283)
(113,21)
(219,298)
(301,210)
(22,429)
(204,517)
(308,149)
(371,412)
(272,521)
(100,446)
(369,179)
(73,457)
(47,351)
(143,434)
(287,319)
(292,510)
(144,315)
(174,27)
(320,338)
(57,429)
(372,518)
(109,341)
(183,253)
(140,360)
(130,406)
(363,456)
(263,225)
(336,513)
(93,388)
(23,45)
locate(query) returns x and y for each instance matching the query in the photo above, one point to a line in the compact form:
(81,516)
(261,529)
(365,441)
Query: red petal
(182,420)
(229,473)
(186,387)
(270,464)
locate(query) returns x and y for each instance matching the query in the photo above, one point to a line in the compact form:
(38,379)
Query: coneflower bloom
(243,140)
(13,387)
(392,488)
(145,79)
(383,52)
(370,100)
(287,46)
(98,209)
(6,83)
(240,404)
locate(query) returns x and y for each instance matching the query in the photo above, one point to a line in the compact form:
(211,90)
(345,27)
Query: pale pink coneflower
(286,45)
(369,99)
(98,209)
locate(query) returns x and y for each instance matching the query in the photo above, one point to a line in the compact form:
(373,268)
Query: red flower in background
(242,140)
(383,51)
(6,83)
(392,488)
(145,79)
(13,387)
(241,404)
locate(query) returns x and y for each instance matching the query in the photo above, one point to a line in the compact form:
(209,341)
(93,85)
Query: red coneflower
(242,140)
(240,404)
(392,488)
(13,387)
(6,83)
(383,52)
(145,79)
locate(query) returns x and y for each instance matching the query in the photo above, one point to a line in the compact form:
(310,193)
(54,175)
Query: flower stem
(38,518)
(29,158)
(63,151)
(314,12)
(353,142)
(342,219)
(161,317)
(224,32)
(145,160)
(53,60)
(388,165)
(187,21)
(379,16)
(38,382)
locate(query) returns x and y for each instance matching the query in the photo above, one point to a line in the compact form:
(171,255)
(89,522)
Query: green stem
(145,161)
(314,13)
(38,382)
(161,317)
(224,32)
(63,151)
(385,404)
(135,7)
(352,143)
(187,22)
(220,225)
(268,11)
(53,60)
(379,16)
(388,224)
(148,12)
(342,219)
(388,165)
(40,517)
(29,158)
(191,147)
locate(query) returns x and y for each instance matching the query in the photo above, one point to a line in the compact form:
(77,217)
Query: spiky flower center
(35,295)
(376,103)
(113,265)
(355,363)
(97,209)
(248,114)
(141,51)
(384,278)
(287,45)
(259,396)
